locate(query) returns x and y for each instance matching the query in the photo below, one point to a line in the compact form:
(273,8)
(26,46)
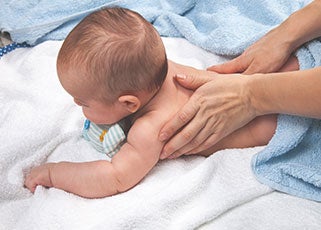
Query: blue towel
(291,162)
(225,27)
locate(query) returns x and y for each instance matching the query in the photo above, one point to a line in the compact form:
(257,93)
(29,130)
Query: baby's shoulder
(147,125)
(151,121)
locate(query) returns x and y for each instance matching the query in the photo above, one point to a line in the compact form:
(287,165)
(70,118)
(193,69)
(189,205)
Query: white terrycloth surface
(39,122)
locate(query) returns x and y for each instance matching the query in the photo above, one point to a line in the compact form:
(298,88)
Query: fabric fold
(222,27)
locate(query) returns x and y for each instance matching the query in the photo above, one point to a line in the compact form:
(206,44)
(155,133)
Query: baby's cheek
(87,114)
(93,116)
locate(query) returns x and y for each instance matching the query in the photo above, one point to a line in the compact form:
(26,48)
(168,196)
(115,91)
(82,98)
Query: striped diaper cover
(107,139)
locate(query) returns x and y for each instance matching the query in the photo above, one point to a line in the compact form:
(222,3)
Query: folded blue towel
(291,162)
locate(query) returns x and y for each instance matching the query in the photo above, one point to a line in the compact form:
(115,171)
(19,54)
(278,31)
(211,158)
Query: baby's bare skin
(142,150)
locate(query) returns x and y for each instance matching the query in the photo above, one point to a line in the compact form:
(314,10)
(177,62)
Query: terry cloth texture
(291,161)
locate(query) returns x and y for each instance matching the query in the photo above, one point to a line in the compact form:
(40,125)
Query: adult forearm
(302,26)
(296,93)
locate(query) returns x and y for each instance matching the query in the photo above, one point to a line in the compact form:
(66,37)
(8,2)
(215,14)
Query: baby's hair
(117,50)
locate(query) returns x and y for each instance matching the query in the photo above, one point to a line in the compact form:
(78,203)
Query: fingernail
(163,136)
(180,76)
(163,155)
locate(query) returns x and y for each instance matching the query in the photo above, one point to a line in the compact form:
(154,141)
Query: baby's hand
(39,176)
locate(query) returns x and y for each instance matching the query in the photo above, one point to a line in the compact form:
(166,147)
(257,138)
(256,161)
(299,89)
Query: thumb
(192,81)
(233,66)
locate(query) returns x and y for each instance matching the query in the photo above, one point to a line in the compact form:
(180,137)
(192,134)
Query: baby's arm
(102,178)
(78,178)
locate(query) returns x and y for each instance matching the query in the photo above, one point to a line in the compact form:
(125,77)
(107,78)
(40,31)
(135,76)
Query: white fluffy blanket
(40,122)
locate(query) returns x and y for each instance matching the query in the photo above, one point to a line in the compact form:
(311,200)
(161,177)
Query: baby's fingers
(30,184)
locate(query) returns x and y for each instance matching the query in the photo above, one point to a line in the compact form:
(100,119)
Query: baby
(114,65)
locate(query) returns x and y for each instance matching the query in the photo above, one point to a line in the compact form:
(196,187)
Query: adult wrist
(292,33)
(257,94)
(302,26)
(287,37)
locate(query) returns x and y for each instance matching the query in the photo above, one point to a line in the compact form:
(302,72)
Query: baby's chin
(103,122)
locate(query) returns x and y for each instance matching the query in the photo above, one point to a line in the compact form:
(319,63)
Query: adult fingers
(185,115)
(236,65)
(204,141)
(199,141)
(177,143)
(189,109)
(190,137)
(193,81)
(208,143)
(258,66)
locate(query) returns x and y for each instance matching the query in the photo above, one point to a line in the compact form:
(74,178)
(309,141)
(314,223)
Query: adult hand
(219,105)
(266,55)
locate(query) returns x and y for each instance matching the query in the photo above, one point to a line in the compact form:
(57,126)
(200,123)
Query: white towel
(40,122)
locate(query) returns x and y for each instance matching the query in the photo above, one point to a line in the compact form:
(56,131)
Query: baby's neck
(171,93)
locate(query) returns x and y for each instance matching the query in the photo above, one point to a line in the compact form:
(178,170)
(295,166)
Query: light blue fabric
(292,160)
(224,27)
(107,139)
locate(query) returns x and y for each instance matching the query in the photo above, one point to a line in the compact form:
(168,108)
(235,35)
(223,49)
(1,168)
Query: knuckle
(201,100)
(187,135)
(192,78)
(198,99)
(195,143)
(183,116)
(170,131)
(201,123)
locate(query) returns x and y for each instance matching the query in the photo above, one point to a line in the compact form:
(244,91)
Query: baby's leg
(256,133)
(291,65)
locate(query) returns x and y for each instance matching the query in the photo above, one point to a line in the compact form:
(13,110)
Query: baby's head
(112,63)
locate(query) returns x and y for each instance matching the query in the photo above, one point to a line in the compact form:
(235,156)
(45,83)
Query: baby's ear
(130,102)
